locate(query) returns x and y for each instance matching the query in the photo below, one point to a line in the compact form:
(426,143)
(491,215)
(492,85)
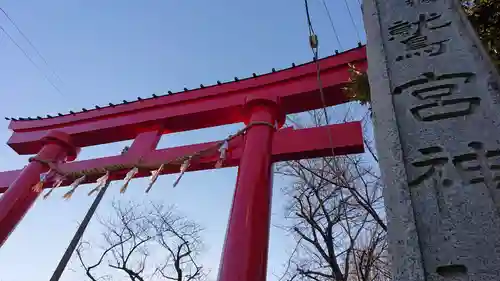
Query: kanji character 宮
(440,95)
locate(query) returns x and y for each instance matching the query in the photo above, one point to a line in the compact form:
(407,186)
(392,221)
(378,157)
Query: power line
(30,43)
(309,24)
(330,139)
(315,51)
(31,60)
(331,23)
(78,235)
(352,20)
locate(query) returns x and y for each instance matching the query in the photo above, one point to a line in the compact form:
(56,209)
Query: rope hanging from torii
(57,176)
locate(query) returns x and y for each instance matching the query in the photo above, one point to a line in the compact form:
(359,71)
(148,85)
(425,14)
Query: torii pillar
(17,200)
(435,98)
(247,234)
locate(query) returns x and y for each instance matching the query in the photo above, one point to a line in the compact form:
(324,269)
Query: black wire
(311,29)
(333,26)
(323,101)
(31,60)
(315,52)
(322,94)
(352,20)
(30,43)
(78,235)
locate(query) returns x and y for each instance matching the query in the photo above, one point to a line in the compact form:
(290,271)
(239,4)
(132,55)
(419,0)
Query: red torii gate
(262,102)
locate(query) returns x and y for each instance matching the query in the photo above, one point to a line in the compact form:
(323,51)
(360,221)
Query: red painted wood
(288,144)
(246,246)
(19,197)
(143,144)
(210,106)
(244,257)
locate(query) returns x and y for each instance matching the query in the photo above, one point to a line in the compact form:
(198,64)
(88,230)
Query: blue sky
(107,51)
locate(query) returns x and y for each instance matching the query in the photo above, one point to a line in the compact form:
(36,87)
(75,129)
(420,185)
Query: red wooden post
(19,197)
(244,257)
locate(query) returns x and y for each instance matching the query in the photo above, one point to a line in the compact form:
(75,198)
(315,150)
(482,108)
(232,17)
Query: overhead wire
(315,51)
(352,20)
(30,43)
(332,25)
(31,60)
(309,24)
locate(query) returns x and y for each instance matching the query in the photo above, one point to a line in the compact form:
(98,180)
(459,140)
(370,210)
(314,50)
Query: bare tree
(182,241)
(335,212)
(370,260)
(144,243)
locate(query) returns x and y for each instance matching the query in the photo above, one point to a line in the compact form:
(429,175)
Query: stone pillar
(435,99)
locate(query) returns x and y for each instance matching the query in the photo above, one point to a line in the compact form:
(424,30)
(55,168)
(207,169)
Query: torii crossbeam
(261,102)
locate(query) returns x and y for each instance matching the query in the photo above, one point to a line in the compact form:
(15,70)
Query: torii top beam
(195,109)
(145,120)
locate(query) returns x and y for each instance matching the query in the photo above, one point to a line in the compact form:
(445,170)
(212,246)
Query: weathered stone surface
(435,98)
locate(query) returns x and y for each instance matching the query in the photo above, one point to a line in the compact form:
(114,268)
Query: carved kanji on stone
(434,160)
(414,36)
(437,132)
(413,2)
(478,165)
(441,97)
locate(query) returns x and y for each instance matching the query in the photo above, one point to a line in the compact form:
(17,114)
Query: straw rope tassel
(184,168)
(100,183)
(74,186)
(57,184)
(128,178)
(43,179)
(154,177)
(223,154)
